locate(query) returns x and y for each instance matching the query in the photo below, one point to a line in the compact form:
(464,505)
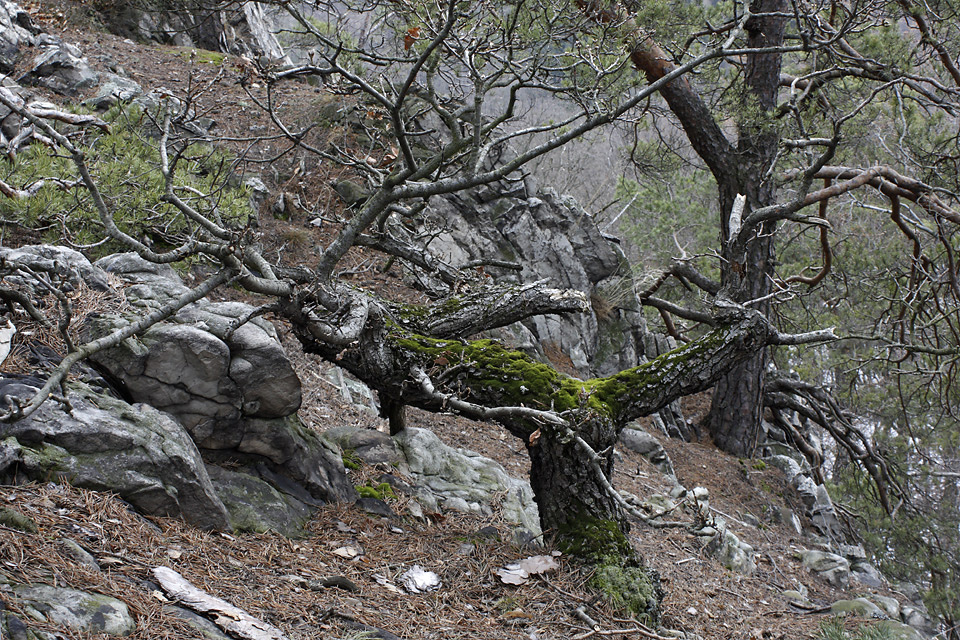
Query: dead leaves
(410,37)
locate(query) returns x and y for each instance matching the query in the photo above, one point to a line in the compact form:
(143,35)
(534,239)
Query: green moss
(593,539)
(633,589)
(351,460)
(201,56)
(381,491)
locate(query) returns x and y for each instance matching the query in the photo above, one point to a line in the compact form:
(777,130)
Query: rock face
(243,29)
(552,238)
(105,443)
(466,481)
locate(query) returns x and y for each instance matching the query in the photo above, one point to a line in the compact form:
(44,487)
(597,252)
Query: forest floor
(263,574)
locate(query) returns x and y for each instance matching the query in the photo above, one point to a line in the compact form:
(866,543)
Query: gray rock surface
(831,567)
(113,89)
(554,239)
(16,31)
(370,445)
(84,612)
(69,268)
(60,67)
(243,29)
(256,506)
(732,552)
(457,474)
(857,607)
(133,450)
(635,438)
(193,366)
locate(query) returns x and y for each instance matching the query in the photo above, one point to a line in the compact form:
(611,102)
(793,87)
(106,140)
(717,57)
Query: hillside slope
(275,579)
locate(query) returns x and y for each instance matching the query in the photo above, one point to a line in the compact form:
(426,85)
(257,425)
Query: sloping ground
(267,575)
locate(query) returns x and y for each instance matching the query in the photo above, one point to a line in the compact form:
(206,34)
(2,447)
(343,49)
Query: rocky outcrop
(635,438)
(244,28)
(203,383)
(553,238)
(101,442)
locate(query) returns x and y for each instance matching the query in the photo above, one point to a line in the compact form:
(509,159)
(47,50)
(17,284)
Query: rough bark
(736,406)
(483,380)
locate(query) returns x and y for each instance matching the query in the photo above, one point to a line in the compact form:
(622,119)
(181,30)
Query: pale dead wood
(231,619)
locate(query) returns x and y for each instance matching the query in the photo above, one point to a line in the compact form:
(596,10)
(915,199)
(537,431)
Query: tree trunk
(569,493)
(736,407)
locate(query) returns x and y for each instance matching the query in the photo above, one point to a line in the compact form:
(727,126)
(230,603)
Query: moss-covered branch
(488,374)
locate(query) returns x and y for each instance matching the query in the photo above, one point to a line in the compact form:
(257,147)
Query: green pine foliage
(124,163)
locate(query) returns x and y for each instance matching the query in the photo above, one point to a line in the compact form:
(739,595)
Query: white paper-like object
(416,580)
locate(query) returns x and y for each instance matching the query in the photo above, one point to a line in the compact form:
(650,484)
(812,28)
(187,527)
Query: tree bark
(736,406)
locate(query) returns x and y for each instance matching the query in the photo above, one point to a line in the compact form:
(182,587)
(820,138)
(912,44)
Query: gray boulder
(69,268)
(290,450)
(198,366)
(113,89)
(635,438)
(730,551)
(818,507)
(861,607)
(84,612)
(462,477)
(831,567)
(899,631)
(60,67)
(256,506)
(370,445)
(104,443)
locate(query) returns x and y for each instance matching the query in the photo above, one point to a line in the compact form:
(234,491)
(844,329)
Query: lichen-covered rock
(113,89)
(899,631)
(831,567)
(457,473)
(858,607)
(79,610)
(200,367)
(106,444)
(243,29)
(732,552)
(256,506)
